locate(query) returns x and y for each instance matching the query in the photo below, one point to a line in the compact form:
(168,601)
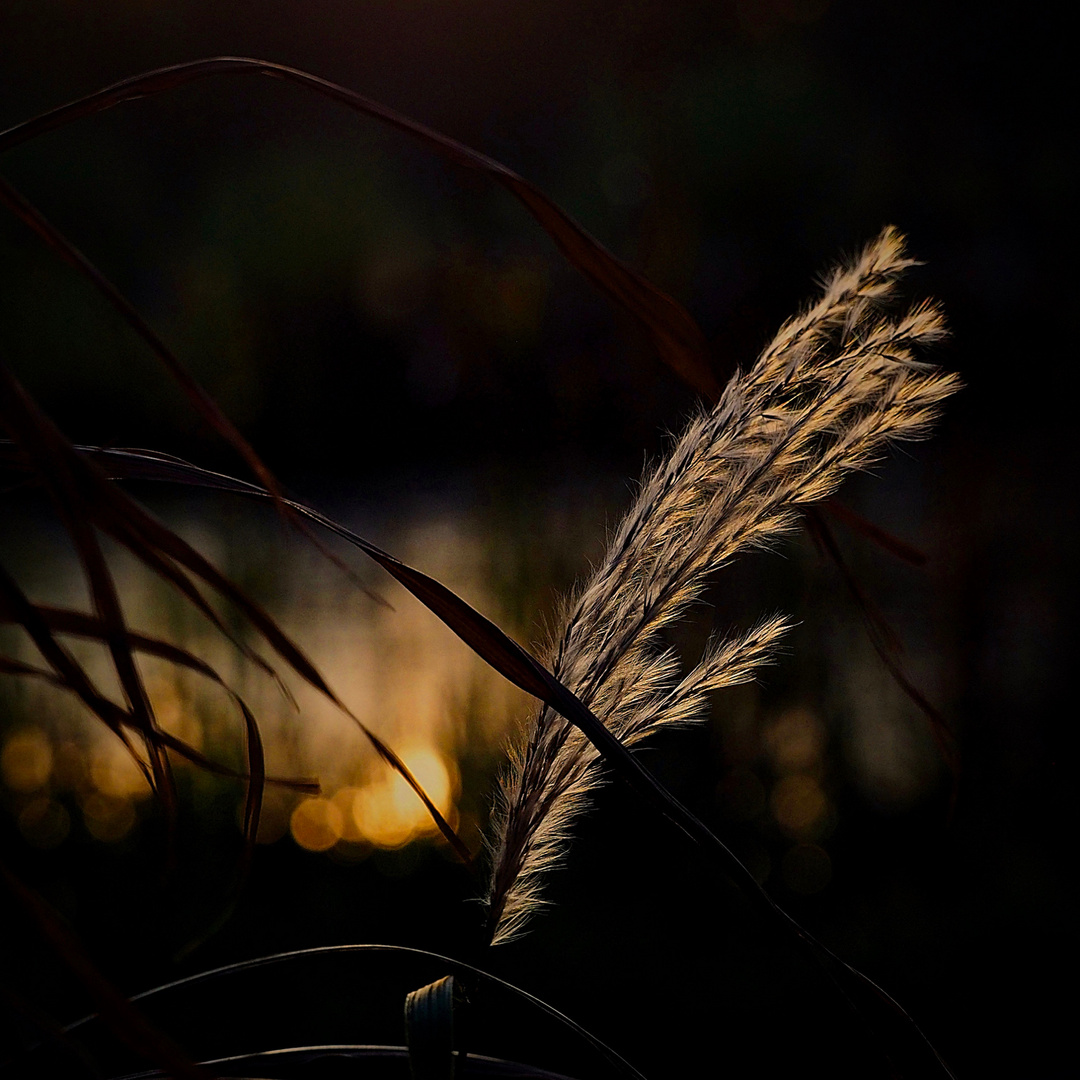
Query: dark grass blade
(67,669)
(200,399)
(473,975)
(362,1057)
(10,666)
(79,624)
(66,621)
(888,647)
(119,527)
(196,757)
(677,338)
(59,470)
(77,481)
(882,537)
(117,1011)
(75,622)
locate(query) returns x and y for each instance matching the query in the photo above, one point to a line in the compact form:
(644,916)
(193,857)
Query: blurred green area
(382,326)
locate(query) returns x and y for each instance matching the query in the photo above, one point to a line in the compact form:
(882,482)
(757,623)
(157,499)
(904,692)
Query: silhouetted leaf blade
(676,336)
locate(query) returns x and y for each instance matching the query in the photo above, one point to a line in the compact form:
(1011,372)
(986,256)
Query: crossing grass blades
(840,381)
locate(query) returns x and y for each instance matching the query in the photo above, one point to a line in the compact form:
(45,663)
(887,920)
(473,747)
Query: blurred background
(408,351)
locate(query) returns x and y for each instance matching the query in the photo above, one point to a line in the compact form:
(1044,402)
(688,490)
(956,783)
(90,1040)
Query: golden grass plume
(837,384)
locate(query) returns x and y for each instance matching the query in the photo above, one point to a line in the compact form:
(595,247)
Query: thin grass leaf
(59,470)
(677,338)
(467,972)
(362,1057)
(77,479)
(887,647)
(202,401)
(67,669)
(204,404)
(882,537)
(62,620)
(118,1012)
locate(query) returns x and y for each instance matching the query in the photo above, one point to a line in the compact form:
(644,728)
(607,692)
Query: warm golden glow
(317,824)
(388,812)
(795,740)
(398,669)
(26,761)
(115,773)
(346,801)
(106,818)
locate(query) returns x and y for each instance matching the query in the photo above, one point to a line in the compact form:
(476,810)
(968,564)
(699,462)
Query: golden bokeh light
(389,814)
(26,761)
(795,740)
(108,819)
(345,800)
(317,824)
(799,805)
(395,665)
(115,773)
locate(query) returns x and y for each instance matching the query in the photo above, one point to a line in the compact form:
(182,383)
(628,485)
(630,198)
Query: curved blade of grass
(202,401)
(676,336)
(67,669)
(87,495)
(197,757)
(302,1057)
(79,624)
(456,967)
(888,647)
(117,1011)
(59,471)
(61,620)
(882,537)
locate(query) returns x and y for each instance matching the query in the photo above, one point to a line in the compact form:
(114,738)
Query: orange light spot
(115,773)
(317,824)
(389,813)
(26,761)
(107,819)
(795,740)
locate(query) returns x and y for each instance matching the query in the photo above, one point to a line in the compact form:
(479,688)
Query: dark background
(373,319)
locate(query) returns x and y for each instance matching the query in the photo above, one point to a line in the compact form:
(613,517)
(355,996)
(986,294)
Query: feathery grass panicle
(834,387)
